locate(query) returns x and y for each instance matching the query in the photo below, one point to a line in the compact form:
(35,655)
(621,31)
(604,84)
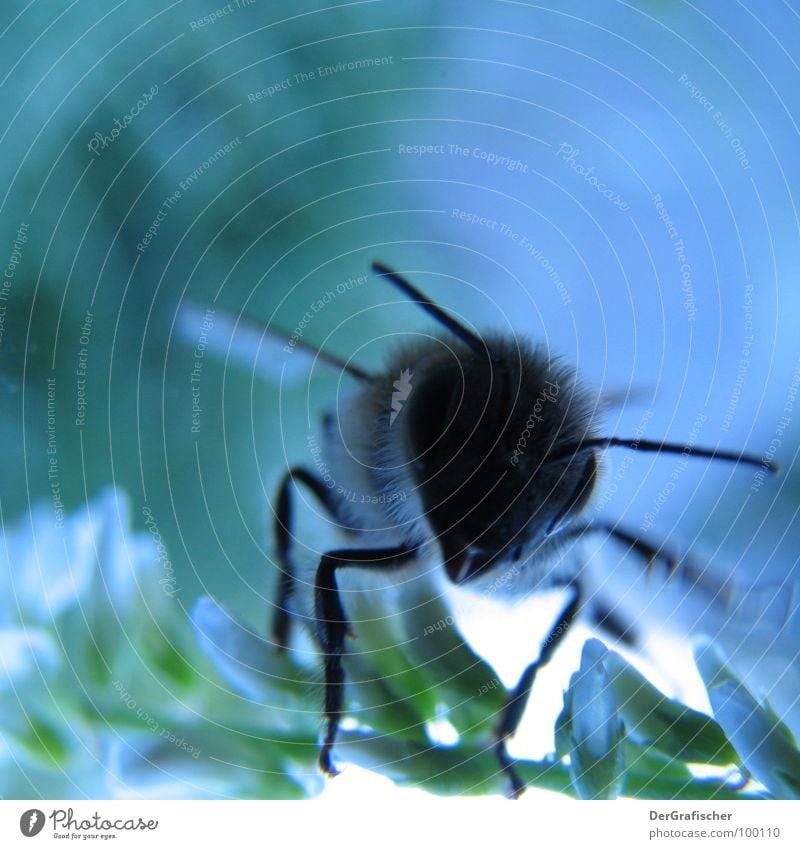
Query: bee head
(488,444)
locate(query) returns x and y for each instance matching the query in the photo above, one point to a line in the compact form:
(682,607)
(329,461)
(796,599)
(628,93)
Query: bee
(481,449)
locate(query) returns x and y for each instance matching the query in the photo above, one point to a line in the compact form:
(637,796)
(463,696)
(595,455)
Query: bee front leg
(333,627)
(518,699)
(284,519)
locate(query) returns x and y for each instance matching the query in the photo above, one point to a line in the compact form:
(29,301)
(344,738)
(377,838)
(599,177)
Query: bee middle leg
(333,627)
(518,699)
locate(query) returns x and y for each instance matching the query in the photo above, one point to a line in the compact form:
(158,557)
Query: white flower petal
(596,731)
(594,704)
(764,747)
(25,652)
(137,770)
(117,554)
(46,569)
(240,656)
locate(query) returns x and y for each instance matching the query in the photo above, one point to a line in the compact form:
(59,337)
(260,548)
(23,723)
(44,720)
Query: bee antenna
(475,342)
(666,448)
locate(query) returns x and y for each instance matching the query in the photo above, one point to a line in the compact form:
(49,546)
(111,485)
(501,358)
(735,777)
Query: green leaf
(667,725)
(44,742)
(653,775)
(468,769)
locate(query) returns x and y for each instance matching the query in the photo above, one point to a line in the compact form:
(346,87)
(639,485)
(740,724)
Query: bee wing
(273,353)
(613,398)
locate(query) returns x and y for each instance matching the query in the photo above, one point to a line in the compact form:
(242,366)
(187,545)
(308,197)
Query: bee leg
(649,552)
(518,699)
(283,535)
(333,627)
(614,625)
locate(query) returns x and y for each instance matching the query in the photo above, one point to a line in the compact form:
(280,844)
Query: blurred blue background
(617,181)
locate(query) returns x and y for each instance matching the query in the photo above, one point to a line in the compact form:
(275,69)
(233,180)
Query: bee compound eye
(579,495)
